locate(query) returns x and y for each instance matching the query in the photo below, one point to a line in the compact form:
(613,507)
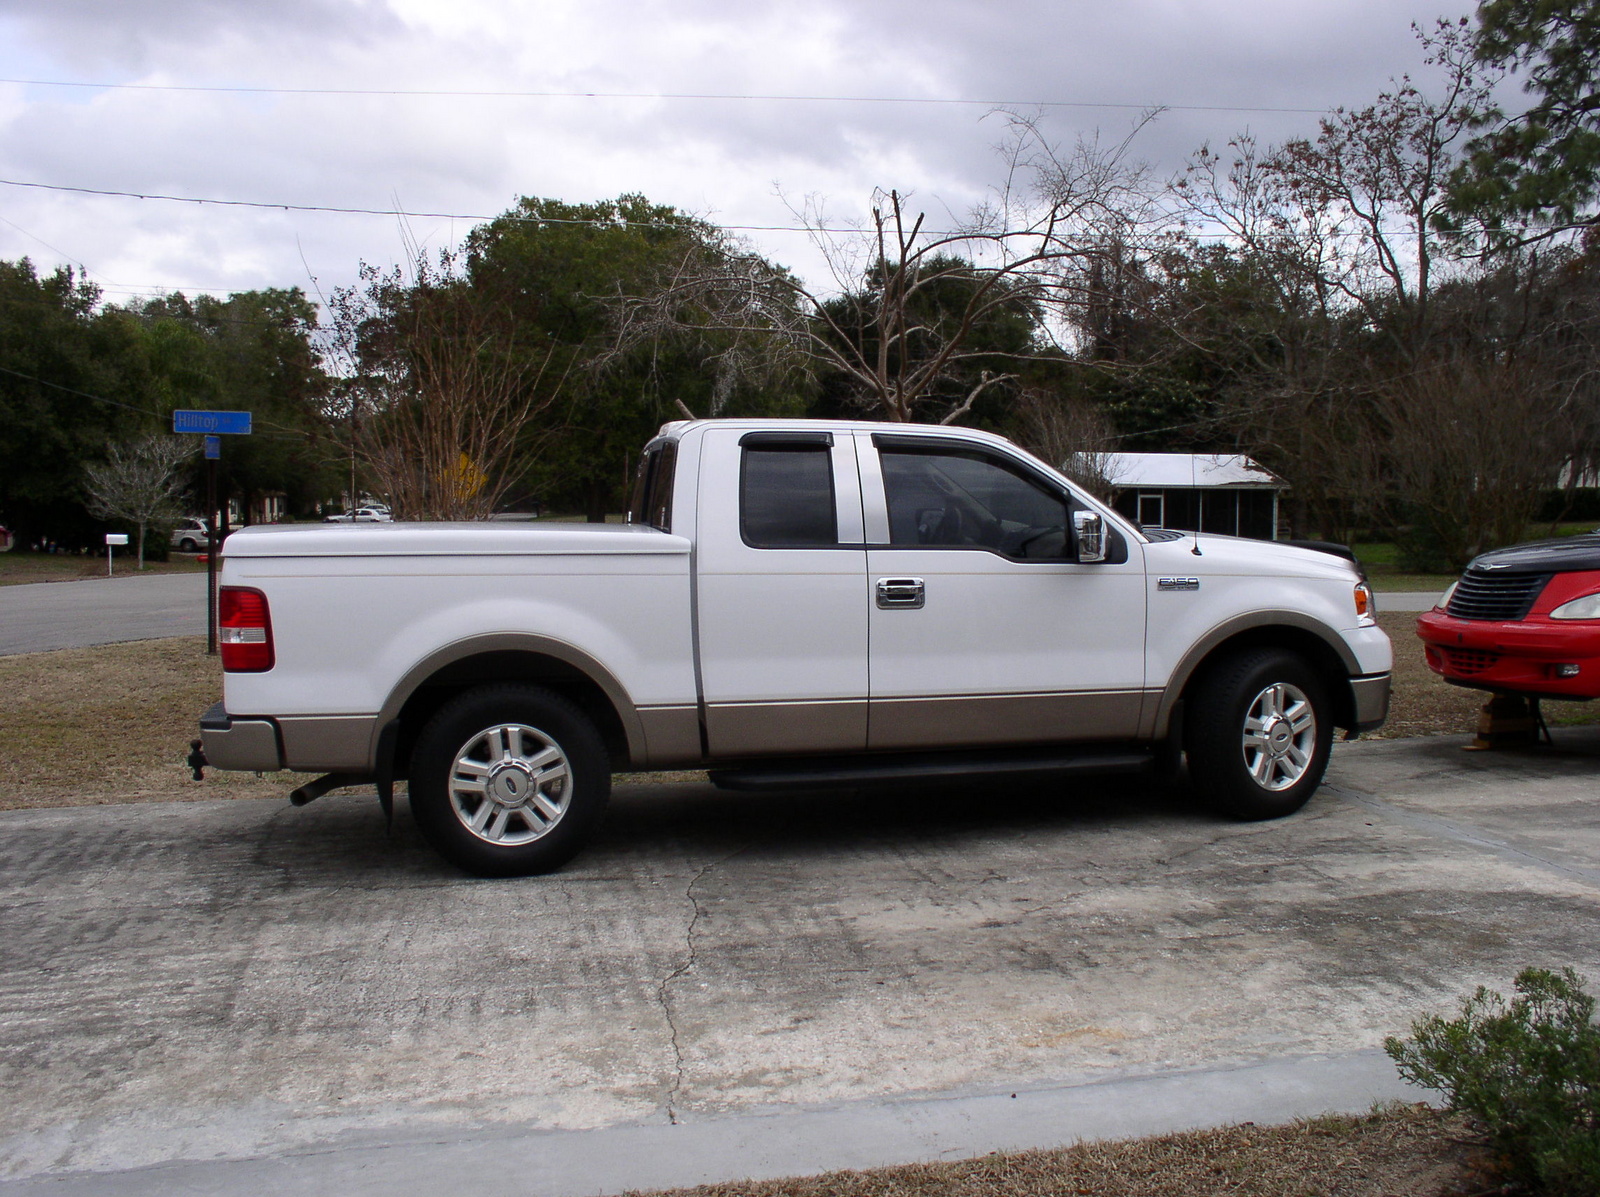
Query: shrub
(1527,1071)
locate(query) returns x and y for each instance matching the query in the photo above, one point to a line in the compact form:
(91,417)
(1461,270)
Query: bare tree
(1073,435)
(437,389)
(902,320)
(1476,443)
(139,482)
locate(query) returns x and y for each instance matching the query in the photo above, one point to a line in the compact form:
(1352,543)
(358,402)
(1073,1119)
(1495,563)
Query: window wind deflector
(924,444)
(793,436)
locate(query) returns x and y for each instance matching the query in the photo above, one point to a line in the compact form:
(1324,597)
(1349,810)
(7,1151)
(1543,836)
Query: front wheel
(1258,734)
(509,780)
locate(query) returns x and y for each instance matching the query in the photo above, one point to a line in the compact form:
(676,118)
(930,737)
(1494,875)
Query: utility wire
(144,411)
(569,220)
(732,97)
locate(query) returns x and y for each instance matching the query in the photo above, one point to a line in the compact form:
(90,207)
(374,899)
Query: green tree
(1531,175)
(557,270)
(253,351)
(69,383)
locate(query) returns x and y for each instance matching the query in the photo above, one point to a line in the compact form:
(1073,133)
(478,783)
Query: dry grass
(18,567)
(85,726)
(1400,1150)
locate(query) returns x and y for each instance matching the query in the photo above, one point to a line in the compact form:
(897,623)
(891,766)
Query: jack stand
(1509,721)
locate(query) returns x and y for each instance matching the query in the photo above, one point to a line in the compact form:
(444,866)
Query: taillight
(244,630)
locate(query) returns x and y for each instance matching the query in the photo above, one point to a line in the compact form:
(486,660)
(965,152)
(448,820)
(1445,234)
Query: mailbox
(116,538)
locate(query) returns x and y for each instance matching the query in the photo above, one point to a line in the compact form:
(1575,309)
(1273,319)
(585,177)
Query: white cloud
(474,155)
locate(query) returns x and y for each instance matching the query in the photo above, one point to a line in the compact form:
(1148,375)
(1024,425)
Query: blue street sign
(234,423)
(213,447)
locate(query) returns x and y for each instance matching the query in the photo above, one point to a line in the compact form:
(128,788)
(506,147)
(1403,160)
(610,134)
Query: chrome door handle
(900,592)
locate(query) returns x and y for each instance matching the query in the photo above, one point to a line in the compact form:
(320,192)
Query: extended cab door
(780,574)
(984,629)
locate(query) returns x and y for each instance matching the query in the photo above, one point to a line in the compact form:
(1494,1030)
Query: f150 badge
(1177,583)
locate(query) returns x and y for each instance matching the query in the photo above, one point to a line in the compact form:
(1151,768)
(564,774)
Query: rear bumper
(1519,658)
(230,743)
(307,744)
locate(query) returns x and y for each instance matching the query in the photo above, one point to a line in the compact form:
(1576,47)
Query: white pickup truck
(791,603)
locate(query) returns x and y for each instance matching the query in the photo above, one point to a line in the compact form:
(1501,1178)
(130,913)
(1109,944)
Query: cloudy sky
(733,111)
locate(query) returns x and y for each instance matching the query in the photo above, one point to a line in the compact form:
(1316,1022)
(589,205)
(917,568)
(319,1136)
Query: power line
(593,222)
(729,97)
(144,411)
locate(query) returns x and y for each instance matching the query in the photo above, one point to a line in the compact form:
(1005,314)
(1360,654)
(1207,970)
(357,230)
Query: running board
(853,771)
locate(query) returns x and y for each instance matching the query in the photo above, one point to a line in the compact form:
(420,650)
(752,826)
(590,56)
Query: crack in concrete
(664,997)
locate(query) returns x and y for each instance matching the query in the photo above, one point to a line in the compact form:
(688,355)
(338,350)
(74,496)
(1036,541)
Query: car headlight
(1444,599)
(1587,607)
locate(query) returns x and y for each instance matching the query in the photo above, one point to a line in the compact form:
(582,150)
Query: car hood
(1562,555)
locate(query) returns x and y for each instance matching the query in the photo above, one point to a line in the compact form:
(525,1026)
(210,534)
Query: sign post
(213,425)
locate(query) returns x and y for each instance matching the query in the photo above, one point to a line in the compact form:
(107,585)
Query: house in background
(1205,492)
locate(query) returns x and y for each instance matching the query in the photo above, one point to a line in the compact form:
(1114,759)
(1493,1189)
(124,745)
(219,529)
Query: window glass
(971,500)
(652,487)
(786,496)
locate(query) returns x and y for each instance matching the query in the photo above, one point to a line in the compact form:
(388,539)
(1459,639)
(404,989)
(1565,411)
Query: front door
(983,630)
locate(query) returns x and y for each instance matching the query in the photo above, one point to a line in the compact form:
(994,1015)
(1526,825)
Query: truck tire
(509,780)
(1258,732)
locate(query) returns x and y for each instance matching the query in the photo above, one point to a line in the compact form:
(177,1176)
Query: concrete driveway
(44,616)
(242,997)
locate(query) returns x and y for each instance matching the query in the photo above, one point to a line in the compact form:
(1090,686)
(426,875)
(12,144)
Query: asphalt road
(44,616)
(242,997)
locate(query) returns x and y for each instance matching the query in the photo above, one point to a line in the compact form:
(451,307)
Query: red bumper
(1520,657)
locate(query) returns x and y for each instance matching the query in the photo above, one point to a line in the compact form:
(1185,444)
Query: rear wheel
(509,780)
(1258,733)
(187,545)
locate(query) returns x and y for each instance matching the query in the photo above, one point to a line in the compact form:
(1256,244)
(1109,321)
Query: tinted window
(786,496)
(971,500)
(652,487)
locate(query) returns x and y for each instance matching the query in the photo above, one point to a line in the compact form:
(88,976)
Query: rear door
(983,629)
(780,578)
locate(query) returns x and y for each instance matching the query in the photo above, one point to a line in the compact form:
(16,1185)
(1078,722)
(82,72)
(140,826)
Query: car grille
(1467,660)
(1495,596)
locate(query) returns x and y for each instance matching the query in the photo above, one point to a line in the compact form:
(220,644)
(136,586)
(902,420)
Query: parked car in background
(1522,620)
(361,515)
(190,535)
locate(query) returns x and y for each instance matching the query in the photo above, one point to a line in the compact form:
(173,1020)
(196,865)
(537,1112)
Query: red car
(1522,620)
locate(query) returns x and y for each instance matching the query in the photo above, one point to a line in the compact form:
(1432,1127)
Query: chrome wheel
(1280,736)
(510,784)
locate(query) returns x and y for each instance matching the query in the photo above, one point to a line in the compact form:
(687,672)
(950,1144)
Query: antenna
(1199,503)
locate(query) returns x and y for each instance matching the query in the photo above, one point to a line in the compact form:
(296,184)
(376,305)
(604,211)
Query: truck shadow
(668,826)
(700,820)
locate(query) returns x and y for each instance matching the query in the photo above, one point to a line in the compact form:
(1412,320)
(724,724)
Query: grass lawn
(20,566)
(1408,1150)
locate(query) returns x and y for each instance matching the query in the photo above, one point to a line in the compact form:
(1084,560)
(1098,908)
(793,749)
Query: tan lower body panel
(328,743)
(976,720)
(671,736)
(738,729)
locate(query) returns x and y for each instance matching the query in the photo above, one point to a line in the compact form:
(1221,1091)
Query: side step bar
(854,771)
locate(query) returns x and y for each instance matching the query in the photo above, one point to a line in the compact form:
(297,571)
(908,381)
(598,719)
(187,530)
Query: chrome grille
(1495,596)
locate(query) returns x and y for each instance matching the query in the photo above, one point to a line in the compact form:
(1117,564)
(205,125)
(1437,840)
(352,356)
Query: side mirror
(1090,531)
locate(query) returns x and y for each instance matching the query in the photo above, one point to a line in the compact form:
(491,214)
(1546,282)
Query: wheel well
(511,666)
(1309,645)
